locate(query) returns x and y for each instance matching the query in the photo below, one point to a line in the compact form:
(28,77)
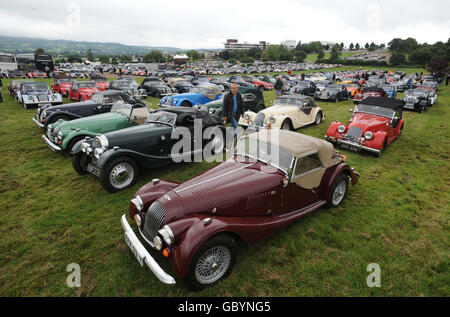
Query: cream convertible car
(289,112)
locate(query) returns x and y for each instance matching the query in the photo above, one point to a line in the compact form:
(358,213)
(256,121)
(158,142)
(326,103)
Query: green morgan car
(253,101)
(118,157)
(63,135)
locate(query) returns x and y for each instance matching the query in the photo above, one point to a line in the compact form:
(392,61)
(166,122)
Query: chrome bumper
(142,254)
(50,144)
(40,125)
(352,144)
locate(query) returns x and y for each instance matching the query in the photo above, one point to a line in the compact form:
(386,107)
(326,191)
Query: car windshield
(86,85)
(377,110)
(201,90)
(123,84)
(122,108)
(35,87)
(287,101)
(163,117)
(265,152)
(97,98)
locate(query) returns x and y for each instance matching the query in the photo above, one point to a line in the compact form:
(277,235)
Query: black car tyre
(119,174)
(261,107)
(336,100)
(158,95)
(213,261)
(318,118)
(382,148)
(80,162)
(57,118)
(338,192)
(286,125)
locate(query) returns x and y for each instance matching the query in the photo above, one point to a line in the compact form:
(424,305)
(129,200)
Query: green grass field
(397,216)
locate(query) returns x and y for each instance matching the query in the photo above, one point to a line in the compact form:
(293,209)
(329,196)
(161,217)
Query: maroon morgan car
(274,178)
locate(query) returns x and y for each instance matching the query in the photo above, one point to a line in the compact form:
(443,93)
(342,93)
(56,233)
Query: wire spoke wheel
(339,192)
(121,175)
(212,265)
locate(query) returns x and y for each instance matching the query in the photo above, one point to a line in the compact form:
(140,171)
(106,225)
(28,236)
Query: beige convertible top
(297,144)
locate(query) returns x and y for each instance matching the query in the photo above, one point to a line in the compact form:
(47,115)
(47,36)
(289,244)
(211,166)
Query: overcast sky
(207,24)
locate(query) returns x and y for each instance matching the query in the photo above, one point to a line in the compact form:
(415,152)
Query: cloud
(207,24)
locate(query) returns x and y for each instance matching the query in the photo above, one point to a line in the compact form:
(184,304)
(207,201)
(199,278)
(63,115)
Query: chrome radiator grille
(354,133)
(259,119)
(153,220)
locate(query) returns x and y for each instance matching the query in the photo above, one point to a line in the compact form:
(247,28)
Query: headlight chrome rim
(157,242)
(341,128)
(368,135)
(167,234)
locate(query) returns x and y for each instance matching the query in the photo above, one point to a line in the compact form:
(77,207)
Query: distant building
(180,59)
(210,55)
(290,44)
(233,44)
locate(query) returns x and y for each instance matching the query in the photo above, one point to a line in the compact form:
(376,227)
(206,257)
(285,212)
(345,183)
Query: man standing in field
(278,86)
(1,85)
(233,107)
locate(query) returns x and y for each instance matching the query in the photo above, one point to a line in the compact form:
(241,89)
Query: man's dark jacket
(228,106)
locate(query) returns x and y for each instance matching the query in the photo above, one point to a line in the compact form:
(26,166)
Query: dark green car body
(253,101)
(62,135)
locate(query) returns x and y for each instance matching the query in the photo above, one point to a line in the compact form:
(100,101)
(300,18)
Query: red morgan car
(62,86)
(273,178)
(369,92)
(101,83)
(82,90)
(376,123)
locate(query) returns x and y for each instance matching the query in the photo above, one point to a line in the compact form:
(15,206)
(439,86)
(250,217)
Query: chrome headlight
(211,111)
(247,117)
(97,152)
(137,201)
(368,135)
(272,120)
(341,128)
(167,234)
(157,242)
(102,141)
(84,146)
(44,114)
(59,134)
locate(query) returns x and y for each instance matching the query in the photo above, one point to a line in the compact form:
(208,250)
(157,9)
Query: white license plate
(350,148)
(133,249)
(93,169)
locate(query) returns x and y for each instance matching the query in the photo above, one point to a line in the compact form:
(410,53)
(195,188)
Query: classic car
(62,85)
(82,90)
(116,157)
(289,112)
(272,179)
(321,85)
(240,81)
(36,94)
(198,95)
(101,102)
(253,99)
(262,85)
(14,86)
(100,82)
(333,92)
(420,98)
(376,123)
(304,87)
(157,89)
(354,89)
(129,87)
(369,92)
(63,135)
(37,74)
(430,84)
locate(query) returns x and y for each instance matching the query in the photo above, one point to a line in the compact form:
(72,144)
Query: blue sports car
(198,95)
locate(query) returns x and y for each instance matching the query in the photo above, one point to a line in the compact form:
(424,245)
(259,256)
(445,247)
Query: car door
(302,189)
(304,112)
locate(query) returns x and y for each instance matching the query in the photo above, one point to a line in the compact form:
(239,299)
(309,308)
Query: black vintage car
(156,89)
(116,157)
(101,102)
(304,87)
(183,86)
(334,92)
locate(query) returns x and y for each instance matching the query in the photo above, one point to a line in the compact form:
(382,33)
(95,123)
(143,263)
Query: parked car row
(272,177)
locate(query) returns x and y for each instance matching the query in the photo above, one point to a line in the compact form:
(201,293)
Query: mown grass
(397,216)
